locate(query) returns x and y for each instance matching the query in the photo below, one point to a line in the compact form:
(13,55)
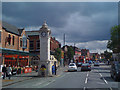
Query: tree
(107,55)
(114,42)
(57,54)
(70,53)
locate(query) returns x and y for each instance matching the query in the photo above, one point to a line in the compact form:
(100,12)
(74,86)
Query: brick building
(35,45)
(11,45)
(86,53)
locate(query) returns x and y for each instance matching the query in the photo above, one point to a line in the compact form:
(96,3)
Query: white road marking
(84,88)
(110,88)
(87,74)
(103,78)
(86,80)
(105,81)
(100,74)
(50,82)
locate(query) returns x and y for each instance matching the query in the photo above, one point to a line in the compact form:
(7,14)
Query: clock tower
(45,34)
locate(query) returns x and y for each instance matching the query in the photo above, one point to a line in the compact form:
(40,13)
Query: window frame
(37,41)
(31,49)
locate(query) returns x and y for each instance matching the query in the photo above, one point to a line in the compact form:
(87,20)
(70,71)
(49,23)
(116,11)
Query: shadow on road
(102,72)
(108,79)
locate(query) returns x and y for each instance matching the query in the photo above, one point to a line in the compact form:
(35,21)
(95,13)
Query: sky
(87,24)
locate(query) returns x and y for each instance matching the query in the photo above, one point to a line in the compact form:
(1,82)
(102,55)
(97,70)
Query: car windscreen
(84,64)
(72,65)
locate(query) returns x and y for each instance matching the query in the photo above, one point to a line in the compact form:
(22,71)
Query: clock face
(43,34)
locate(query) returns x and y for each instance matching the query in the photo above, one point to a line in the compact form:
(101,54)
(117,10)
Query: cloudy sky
(87,24)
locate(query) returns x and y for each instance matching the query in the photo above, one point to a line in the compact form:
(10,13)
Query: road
(98,77)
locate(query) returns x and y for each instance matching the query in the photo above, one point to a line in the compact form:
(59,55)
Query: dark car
(85,67)
(79,64)
(115,70)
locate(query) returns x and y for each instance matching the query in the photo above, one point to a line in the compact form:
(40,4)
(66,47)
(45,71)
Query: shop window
(38,44)
(13,40)
(31,45)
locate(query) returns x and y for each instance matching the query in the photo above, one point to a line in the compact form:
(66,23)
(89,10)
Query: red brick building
(11,45)
(35,45)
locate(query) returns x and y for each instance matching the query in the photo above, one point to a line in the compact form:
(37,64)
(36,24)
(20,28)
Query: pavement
(27,76)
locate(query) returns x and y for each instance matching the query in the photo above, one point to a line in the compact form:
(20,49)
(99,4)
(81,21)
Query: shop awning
(9,51)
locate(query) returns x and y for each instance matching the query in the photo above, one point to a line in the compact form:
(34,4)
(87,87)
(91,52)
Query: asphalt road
(98,77)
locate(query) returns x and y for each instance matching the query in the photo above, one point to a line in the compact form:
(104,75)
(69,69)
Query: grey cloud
(81,22)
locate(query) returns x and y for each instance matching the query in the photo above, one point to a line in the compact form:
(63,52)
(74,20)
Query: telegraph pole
(74,53)
(64,49)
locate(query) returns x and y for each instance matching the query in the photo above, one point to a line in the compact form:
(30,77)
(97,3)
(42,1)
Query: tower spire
(45,25)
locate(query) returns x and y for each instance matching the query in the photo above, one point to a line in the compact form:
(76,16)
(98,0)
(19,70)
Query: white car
(72,67)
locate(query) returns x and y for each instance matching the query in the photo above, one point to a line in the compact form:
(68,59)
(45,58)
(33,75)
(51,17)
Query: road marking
(87,74)
(50,82)
(110,88)
(105,81)
(86,80)
(84,88)
(103,78)
(100,74)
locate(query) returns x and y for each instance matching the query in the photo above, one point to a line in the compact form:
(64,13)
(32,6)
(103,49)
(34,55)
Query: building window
(13,40)
(38,44)
(0,36)
(9,39)
(20,42)
(31,45)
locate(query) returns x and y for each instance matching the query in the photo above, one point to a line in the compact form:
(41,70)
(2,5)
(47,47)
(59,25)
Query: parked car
(96,64)
(79,64)
(86,67)
(115,70)
(72,67)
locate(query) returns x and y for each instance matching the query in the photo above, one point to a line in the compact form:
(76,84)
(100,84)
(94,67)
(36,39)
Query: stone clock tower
(45,35)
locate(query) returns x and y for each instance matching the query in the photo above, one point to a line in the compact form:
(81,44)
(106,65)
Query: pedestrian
(4,70)
(9,70)
(53,69)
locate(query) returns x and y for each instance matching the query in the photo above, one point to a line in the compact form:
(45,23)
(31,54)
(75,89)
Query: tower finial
(45,24)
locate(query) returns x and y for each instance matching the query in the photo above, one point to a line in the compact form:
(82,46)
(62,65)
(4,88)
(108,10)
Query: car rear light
(88,66)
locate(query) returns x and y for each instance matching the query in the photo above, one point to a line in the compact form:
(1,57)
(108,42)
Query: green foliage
(107,54)
(70,53)
(114,42)
(57,54)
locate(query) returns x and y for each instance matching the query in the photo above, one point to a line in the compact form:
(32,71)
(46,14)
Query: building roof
(10,28)
(28,33)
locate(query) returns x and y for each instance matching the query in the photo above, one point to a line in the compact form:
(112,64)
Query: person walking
(4,70)
(9,71)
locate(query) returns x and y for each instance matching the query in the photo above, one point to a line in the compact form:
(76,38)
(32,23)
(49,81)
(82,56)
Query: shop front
(15,58)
